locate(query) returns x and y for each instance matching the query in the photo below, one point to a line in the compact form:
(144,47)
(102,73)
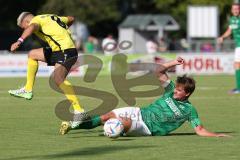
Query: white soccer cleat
(21,93)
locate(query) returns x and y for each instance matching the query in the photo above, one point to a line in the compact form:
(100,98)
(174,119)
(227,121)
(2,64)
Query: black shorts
(67,58)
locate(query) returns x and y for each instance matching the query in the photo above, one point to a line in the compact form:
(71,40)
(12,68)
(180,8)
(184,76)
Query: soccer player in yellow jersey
(61,52)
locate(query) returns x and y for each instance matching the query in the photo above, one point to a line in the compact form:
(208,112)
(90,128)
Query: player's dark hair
(236,4)
(187,82)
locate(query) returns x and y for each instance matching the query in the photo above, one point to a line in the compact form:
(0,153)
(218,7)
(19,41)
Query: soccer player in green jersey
(61,52)
(234,28)
(162,116)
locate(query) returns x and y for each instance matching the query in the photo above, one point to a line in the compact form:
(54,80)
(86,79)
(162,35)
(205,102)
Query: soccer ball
(113,128)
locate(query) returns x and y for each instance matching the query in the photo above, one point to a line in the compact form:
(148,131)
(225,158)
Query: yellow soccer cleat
(64,128)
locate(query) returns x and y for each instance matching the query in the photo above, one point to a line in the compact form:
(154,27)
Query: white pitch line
(212,88)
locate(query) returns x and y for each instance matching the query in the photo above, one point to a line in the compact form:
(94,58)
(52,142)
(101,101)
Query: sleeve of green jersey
(194,119)
(229,23)
(64,19)
(170,87)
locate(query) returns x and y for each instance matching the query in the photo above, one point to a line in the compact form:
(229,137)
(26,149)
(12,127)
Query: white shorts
(237,55)
(138,127)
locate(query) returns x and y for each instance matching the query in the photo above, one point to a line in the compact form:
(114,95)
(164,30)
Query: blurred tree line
(104,16)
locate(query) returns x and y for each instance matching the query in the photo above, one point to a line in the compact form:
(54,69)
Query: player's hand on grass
(222,135)
(15,46)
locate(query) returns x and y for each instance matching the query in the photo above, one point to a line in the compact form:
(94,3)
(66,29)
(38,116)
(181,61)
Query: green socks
(91,123)
(237,74)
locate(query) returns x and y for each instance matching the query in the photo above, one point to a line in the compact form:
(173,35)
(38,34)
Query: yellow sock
(31,74)
(66,87)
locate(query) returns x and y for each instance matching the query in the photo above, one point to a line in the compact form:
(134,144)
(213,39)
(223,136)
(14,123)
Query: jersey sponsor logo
(173,106)
(233,26)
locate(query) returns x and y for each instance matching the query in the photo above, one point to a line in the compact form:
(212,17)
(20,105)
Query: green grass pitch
(29,129)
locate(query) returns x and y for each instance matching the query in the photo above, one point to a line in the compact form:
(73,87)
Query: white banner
(202,21)
(214,63)
(15,65)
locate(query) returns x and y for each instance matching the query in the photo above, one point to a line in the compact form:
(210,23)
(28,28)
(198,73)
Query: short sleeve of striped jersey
(35,20)
(194,119)
(64,19)
(169,88)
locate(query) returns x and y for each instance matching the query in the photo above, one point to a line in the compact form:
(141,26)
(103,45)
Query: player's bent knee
(31,54)
(37,54)
(127,122)
(58,80)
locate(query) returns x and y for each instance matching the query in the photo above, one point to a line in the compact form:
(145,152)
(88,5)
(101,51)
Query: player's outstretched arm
(175,62)
(225,35)
(26,33)
(162,68)
(201,131)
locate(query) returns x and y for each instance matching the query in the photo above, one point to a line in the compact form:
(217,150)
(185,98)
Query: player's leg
(88,123)
(129,116)
(63,63)
(96,121)
(237,71)
(131,119)
(60,74)
(34,56)
(237,76)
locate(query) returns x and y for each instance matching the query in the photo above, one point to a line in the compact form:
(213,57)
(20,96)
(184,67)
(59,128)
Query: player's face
(179,93)
(235,10)
(25,22)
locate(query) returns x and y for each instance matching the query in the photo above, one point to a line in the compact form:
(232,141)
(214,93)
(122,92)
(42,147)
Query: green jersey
(167,114)
(234,24)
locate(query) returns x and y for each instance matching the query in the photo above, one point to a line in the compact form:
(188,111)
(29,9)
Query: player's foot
(78,119)
(64,128)
(234,91)
(22,93)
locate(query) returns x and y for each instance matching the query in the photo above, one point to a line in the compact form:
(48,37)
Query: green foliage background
(103,17)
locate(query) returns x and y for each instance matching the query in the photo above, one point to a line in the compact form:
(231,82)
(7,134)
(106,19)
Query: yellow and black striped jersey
(54,30)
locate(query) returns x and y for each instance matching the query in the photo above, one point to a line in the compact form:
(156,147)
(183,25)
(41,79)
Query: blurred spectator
(184,44)
(80,34)
(95,42)
(151,46)
(207,47)
(89,45)
(109,45)
(162,45)
(174,45)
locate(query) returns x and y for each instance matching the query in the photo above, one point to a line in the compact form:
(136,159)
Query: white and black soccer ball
(113,128)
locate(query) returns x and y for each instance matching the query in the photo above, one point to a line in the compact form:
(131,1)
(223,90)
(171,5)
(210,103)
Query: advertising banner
(213,63)
(16,66)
